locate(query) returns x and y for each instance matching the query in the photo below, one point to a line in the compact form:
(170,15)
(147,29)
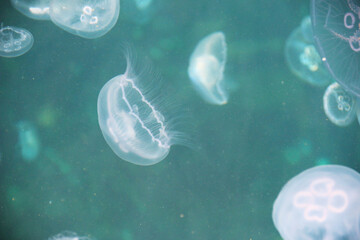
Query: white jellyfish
(85,18)
(35,9)
(339,106)
(68,235)
(131,123)
(319,203)
(14,41)
(29,142)
(206,68)
(303,58)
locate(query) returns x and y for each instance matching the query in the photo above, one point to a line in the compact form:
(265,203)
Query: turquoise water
(272,128)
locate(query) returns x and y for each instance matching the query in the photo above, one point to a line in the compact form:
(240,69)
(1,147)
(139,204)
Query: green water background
(273,128)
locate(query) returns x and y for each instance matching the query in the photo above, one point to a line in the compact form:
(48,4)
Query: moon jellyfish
(206,68)
(14,41)
(302,57)
(336,27)
(139,11)
(35,9)
(85,18)
(28,140)
(68,235)
(339,106)
(319,203)
(131,123)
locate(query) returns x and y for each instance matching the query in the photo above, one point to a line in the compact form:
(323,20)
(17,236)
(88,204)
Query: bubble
(132,125)
(206,68)
(319,203)
(35,9)
(302,57)
(14,41)
(337,38)
(85,18)
(339,106)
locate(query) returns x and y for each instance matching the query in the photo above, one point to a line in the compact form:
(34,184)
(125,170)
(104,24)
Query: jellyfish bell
(14,41)
(69,235)
(85,18)
(320,203)
(339,106)
(336,28)
(140,11)
(28,140)
(35,9)
(302,57)
(206,68)
(133,122)
(306,29)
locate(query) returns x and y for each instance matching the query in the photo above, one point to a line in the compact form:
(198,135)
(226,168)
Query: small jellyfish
(302,57)
(319,203)
(68,235)
(131,123)
(206,68)
(336,27)
(35,9)
(339,106)
(29,142)
(14,41)
(85,18)
(139,11)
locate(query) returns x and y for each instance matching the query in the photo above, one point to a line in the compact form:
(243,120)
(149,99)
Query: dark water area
(223,187)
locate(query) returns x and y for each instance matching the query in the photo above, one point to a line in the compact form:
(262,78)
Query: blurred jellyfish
(28,140)
(319,203)
(139,11)
(85,18)
(337,39)
(302,57)
(206,68)
(132,125)
(14,41)
(68,235)
(339,106)
(35,9)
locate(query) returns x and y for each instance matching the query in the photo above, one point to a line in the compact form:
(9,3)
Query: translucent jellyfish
(28,140)
(302,57)
(85,18)
(139,11)
(35,9)
(206,68)
(339,106)
(319,203)
(14,41)
(132,125)
(337,38)
(68,235)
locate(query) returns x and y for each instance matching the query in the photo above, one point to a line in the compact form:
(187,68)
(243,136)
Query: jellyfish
(85,18)
(131,122)
(139,11)
(14,41)
(206,68)
(319,203)
(35,9)
(339,106)
(302,57)
(29,142)
(336,28)
(68,235)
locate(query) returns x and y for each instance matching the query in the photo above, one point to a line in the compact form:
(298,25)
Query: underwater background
(272,128)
